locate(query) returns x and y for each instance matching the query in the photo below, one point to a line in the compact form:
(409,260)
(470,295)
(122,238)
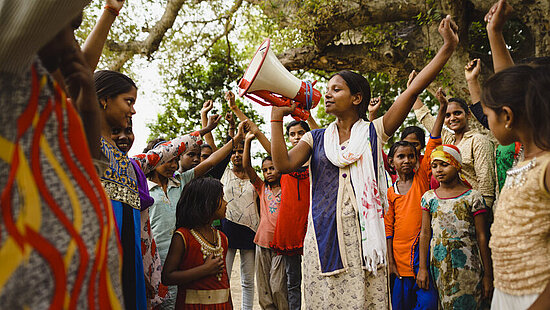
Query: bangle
(111,9)
(232,143)
(276,120)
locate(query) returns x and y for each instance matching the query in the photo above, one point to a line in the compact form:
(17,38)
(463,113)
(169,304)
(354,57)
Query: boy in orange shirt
(404,217)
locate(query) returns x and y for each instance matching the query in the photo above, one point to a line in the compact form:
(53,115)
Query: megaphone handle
(300,114)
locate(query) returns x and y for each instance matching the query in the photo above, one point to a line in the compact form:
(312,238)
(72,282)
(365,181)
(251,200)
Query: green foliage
(195,84)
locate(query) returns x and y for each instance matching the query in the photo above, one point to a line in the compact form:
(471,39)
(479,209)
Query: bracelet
(111,9)
(232,143)
(276,120)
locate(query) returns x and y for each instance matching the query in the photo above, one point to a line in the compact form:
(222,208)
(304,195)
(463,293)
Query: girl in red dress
(196,258)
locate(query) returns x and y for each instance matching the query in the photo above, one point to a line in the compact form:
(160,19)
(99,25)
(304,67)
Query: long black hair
(525,89)
(357,84)
(109,84)
(198,202)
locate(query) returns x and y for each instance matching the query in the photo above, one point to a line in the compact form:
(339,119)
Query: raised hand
(243,128)
(374,105)
(497,16)
(213,121)
(249,136)
(449,31)
(207,106)
(115,4)
(277,113)
(441,97)
(230,98)
(472,70)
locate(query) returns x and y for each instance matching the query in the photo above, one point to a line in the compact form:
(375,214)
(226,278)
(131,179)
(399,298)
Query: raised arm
(496,18)
(93,46)
(286,161)
(79,83)
(206,107)
(312,123)
(472,71)
(168,150)
(26,26)
(374,106)
(402,105)
(230,97)
(247,163)
(438,124)
(221,153)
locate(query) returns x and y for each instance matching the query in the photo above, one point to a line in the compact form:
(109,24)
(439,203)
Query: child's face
(124,138)
(456,118)
(271,175)
(205,153)
(295,133)
(497,123)
(338,98)
(167,170)
(443,171)
(191,158)
(220,212)
(404,160)
(413,139)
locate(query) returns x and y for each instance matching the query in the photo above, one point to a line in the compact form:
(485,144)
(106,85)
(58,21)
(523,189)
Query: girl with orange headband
(460,261)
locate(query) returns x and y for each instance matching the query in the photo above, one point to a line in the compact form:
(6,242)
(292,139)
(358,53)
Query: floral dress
(455,262)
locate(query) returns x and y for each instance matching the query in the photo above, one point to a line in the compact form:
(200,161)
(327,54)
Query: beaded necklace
(208,249)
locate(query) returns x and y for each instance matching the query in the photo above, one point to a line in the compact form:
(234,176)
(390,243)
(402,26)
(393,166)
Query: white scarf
(358,154)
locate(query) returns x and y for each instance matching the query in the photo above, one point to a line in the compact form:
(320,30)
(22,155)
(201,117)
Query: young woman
(345,248)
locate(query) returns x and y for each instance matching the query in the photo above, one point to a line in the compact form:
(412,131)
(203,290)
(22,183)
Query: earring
(508,127)
(104,106)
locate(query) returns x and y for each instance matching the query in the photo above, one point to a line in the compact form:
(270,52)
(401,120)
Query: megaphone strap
(309,94)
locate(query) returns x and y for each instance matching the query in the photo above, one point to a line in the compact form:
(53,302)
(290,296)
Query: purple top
(144,198)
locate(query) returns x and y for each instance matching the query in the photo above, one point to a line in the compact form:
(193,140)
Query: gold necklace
(208,249)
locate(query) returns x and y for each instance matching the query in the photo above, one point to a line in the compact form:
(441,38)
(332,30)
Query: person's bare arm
(79,82)
(438,125)
(312,123)
(497,16)
(209,138)
(471,72)
(374,106)
(221,153)
(422,277)
(482,236)
(402,105)
(93,46)
(286,161)
(247,162)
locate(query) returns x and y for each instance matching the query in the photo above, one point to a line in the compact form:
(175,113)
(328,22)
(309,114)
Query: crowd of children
(466,225)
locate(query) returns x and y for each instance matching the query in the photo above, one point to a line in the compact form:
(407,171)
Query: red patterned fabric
(292,221)
(58,240)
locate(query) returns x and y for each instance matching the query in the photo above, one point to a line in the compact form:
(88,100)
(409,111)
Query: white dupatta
(358,154)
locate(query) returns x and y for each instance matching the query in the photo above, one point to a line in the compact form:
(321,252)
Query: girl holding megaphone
(345,244)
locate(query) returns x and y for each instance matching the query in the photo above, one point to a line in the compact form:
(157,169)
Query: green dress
(455,261)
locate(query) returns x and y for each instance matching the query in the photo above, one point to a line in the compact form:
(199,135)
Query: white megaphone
(267,82)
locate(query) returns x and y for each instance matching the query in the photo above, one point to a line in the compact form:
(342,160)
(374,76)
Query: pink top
(270,200)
